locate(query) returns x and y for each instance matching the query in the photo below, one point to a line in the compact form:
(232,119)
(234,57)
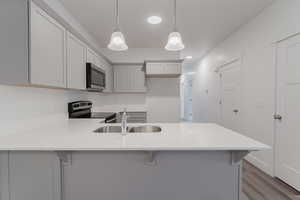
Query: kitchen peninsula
(68,160)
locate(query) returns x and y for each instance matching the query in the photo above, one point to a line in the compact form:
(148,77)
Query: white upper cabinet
(103,64)
(42,52)
(109,79)
(129,78)
(173,68)
(90,56)
(76,63)
(163,69)
(154,68)
(48,50)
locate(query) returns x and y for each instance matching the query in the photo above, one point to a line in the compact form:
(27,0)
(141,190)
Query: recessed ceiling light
(188,57)
(154,20)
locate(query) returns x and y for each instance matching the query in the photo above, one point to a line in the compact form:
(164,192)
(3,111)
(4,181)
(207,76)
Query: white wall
(24,107)
(163,100)
(255,45)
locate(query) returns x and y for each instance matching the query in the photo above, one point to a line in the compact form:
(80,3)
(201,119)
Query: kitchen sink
(144,129)
(130,129)
(109,129)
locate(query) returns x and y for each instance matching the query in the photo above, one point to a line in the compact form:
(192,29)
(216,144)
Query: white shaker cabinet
(76,63)
(163,69)
(34,176)
(42,52)
(48,50)
(90,56)
(109,79)
(129,78)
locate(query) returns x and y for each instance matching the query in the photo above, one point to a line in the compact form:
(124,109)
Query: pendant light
(117,40)
(175,40)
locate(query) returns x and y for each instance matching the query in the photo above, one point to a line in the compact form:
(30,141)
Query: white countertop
(77,134)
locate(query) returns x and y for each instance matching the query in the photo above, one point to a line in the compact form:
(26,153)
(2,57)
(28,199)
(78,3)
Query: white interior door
(230,95)
(288,107)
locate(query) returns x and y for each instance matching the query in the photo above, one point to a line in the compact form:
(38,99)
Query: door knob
(235,111)
(277,117)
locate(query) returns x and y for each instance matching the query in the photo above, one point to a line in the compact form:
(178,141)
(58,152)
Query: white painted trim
(286,37)
(260,164)
(226,63)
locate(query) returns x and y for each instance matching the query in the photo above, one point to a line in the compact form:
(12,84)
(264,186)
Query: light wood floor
(259,186)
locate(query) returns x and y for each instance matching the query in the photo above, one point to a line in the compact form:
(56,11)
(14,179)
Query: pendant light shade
(175,42)
(117,39)
(117,42)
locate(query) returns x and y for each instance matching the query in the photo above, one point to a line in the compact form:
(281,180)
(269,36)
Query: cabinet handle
(277,117)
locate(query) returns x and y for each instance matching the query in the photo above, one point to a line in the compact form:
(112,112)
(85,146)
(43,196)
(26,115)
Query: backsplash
(23,106)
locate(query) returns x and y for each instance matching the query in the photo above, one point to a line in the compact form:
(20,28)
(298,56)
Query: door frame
(219,70)
(278,103)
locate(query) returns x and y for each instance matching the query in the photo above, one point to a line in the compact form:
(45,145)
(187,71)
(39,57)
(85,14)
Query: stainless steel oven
(95,78)
(83,109)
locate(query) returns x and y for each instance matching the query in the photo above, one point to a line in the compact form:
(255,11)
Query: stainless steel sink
(109,129)
(130,129)
(144,129)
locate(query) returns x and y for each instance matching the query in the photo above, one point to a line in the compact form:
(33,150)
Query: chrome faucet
(124,122)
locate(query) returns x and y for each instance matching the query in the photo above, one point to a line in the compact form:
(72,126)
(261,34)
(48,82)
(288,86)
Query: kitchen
(89,116)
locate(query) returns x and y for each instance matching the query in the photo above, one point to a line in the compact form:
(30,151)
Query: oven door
(95,78)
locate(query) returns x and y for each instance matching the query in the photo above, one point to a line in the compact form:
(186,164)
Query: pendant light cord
(175,15)
(117,14)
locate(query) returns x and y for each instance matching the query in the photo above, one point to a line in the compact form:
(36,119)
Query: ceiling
(202,23)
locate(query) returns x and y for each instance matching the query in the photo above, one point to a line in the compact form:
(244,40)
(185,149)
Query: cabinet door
(76,63)
(172,68)
(138,79)
(109,78)
(154,68)
(48,63)
(90,56)
(129,78)
(34,176)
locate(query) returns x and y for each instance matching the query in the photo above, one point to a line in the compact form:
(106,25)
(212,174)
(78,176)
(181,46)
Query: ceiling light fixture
(154,20)
(175,40)
(117,40)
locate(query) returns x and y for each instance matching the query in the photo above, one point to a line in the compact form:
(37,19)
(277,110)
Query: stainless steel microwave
(95,78)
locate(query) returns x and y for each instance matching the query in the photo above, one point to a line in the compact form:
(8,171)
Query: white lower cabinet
(34,176)
(48,50)
(76,63)
(138,175)
(129,78)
